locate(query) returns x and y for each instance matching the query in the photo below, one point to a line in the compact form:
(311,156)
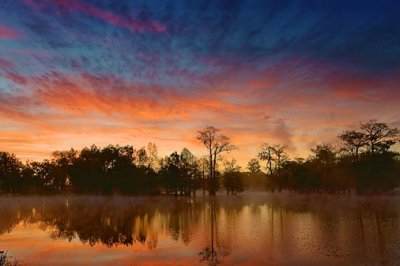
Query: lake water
(249,229)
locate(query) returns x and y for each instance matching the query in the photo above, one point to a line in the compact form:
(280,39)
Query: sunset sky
(75,73)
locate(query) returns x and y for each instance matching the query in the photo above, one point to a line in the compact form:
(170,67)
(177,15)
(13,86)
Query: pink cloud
(301,81)
(5,63)
(8,33)
(16,78)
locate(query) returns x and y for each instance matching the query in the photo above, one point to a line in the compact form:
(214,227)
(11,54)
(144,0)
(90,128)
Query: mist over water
(249,229)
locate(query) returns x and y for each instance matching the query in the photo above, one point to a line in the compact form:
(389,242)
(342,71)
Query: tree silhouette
(210,254)
(203,164)
(368,165)
(216,144)
(232,178)
(324,153)
(10,172)
(353,141)
(181,173)
(254,167)
(266,154)
(380,137)
(280,154)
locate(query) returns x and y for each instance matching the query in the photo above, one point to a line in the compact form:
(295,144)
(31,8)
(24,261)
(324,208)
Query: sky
(75,73)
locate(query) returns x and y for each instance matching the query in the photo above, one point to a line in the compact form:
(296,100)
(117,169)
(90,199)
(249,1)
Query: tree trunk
(211,190)
(213,186)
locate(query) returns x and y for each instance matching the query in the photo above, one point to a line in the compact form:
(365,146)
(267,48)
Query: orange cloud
(79,110)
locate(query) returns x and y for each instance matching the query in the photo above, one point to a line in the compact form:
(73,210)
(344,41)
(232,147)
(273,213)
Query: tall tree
(216,143)
(275,155)
(203,165)
(266,154)
(190,171)
(152,154)
(170,169)
(380,137)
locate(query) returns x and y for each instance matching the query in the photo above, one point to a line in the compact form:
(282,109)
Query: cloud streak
(132,24)
(7,33)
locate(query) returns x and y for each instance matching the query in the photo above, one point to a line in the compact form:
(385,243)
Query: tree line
(364,162)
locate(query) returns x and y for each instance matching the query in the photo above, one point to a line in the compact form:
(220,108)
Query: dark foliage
(364,164)
(232,178)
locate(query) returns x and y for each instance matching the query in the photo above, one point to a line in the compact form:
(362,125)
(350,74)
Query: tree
(190,170)
(203,165)
(152,154)
(30,181)
(353,141)
(322,169)
(233,182)
(280,155)
(140,157)
(216,144)
(10,172)
(254,167)
(266,154)
(254,178)
(63,162)
(324,153)
(180,172)
(275,155)
(171,173)
(379,136)
(377,172)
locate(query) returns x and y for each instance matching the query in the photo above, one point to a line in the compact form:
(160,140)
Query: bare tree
(216,144)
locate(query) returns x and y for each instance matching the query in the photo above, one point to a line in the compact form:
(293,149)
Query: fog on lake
(249,229)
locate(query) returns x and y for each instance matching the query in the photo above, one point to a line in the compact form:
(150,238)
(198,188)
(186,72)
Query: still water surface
(250,229)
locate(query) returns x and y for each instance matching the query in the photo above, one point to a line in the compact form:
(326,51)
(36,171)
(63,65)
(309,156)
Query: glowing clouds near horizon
(76,73)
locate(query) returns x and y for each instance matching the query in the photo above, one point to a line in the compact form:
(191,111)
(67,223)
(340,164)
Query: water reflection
(109,221)
(248,229)
(212,251)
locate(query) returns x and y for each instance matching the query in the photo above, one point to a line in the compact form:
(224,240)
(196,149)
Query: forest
(363,162)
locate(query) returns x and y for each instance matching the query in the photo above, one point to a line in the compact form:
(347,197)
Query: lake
(249,229)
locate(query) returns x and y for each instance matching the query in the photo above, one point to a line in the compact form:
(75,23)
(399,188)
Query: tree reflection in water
(210,253)
(221,230)
(110,221)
